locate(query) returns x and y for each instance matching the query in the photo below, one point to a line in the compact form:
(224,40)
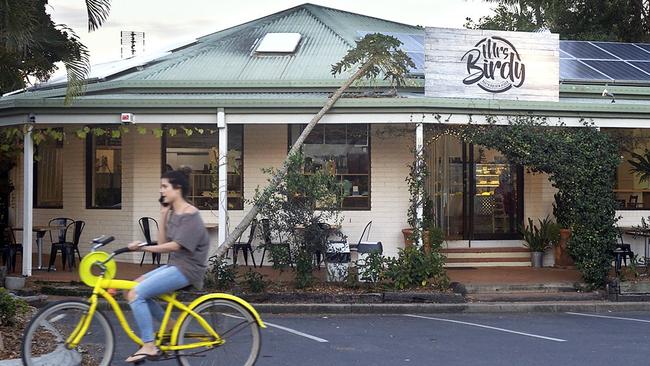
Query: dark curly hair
(179,179)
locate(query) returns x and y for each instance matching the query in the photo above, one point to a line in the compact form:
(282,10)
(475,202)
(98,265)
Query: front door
(476,193)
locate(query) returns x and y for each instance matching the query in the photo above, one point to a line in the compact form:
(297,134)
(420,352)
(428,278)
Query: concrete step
(557,287)
(537,296)
(487,257)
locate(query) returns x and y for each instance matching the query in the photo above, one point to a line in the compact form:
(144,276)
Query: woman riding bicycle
(183,235)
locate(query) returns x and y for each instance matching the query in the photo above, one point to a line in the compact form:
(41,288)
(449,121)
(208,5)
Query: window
(476,193)
(103,172)
(343,150)
(200,153)
(632,193)
(48,175)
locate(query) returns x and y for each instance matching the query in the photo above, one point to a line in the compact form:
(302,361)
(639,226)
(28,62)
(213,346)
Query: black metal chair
(58,240)
(10,249)
(315,237)
(268,242)
(622,251)
(145,227)
(73,246)
(245,247)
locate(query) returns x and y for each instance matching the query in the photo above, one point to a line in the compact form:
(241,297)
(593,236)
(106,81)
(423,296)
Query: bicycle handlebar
(103,240)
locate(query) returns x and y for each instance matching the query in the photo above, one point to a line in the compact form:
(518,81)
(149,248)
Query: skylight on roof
(279,43)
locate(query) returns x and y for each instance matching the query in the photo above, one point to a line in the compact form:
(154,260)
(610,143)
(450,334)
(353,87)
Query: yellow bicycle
(214,329)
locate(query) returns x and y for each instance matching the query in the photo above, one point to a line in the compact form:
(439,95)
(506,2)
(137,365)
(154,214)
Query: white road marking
(298,333)
(610,317)
(488,327)
(292,331)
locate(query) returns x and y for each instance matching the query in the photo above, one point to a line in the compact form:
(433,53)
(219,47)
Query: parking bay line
(289,330)
(609,317)
(487,327)
(296,332)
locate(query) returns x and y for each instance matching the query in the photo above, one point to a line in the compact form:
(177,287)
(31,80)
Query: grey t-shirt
(190,233)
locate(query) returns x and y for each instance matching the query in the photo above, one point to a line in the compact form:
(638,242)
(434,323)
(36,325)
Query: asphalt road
(448,339)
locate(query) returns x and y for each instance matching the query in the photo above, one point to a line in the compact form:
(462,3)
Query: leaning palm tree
(375,55)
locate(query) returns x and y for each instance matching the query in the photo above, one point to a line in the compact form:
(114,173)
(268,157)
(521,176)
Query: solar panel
(576,70)
(618,70)
(582,50)
(565,55)
(625,51)
(645,66)
(412,44)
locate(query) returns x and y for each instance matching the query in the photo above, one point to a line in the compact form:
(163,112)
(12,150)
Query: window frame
(90,139)
(612,131)
(36,204)
(369,125)
(163,159)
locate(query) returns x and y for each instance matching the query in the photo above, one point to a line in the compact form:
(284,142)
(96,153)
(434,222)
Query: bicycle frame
(99,290)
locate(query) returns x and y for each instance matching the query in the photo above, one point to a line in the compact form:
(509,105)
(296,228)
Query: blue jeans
(160,281)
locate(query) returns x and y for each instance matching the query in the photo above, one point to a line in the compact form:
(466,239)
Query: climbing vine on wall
(581,163)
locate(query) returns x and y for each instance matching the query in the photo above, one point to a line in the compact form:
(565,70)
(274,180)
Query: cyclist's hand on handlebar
(135,245)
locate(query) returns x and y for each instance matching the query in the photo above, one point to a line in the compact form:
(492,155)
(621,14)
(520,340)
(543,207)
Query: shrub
(254,281)
(413,268)
(220,275)
(10,307)
(304,268)
(372,269)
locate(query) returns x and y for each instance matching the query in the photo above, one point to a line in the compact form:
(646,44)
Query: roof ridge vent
(278,43)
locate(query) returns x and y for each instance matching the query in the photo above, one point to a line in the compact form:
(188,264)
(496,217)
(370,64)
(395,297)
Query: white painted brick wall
(264,146)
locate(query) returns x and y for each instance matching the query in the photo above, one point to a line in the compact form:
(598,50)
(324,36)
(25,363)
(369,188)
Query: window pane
(200,152)
(341,150)
(106,175)
(48,175)
(632,192)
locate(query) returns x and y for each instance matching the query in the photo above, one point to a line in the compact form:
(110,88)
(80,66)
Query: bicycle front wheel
(235,325)
(46,339)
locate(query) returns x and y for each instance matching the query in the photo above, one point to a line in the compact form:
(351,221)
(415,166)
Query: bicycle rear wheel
(45,339)
(236,326)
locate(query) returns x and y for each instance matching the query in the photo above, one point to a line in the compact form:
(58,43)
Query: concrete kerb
(537,307)
(428,308)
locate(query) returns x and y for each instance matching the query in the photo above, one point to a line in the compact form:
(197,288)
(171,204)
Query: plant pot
(14,282)
(560,251)
(537,259)
(408,242)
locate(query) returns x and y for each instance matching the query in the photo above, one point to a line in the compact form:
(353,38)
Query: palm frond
(98,11)
(640,165)
(77,65)
(18,22)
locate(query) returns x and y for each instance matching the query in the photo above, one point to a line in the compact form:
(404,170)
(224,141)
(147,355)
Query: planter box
(634,287)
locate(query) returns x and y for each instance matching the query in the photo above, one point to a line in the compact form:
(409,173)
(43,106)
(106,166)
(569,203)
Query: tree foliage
(31,44)
(581,164)
(606,20)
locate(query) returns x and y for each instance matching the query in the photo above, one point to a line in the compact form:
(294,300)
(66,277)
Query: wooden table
(40,233)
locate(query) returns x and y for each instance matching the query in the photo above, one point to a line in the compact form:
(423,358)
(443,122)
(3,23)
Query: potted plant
(539,239)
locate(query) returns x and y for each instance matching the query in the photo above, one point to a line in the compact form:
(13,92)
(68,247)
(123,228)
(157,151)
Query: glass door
(495,195)
(476,193)
(446,185)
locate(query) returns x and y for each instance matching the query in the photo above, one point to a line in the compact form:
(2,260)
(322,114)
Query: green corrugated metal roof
(326,33)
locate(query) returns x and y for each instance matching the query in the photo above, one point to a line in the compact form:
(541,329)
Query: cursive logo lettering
(494,65)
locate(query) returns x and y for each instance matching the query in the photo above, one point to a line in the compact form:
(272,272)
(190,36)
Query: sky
(172,22)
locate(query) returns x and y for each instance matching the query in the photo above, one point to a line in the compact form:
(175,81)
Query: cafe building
(246,92)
